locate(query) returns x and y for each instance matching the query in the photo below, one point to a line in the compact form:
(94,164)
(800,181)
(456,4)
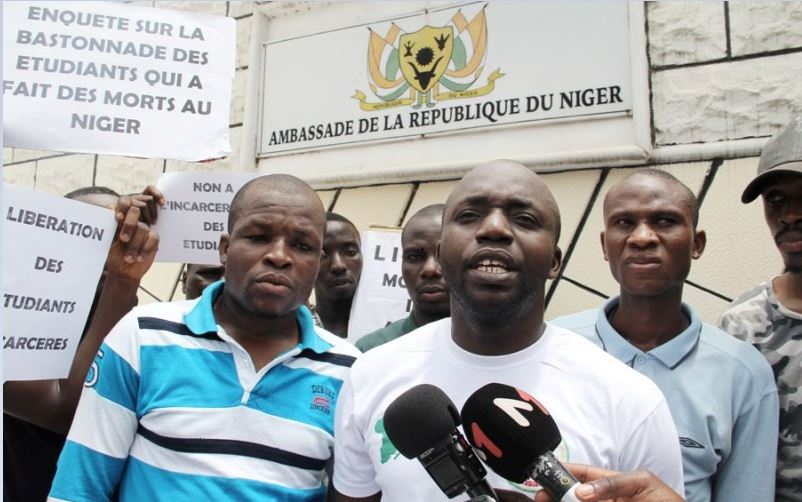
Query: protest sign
(116,78)
(53,254)
(381,297)
(196,214)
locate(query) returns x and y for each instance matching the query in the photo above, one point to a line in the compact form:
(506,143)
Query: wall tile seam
(585,287)
(736,156)
(709,291)
(144,290)
(35,159)
(731,59)
(405,210)
(652,132)
(727,37)
(580,227)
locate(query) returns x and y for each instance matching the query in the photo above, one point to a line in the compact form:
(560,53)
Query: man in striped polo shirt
(229,396)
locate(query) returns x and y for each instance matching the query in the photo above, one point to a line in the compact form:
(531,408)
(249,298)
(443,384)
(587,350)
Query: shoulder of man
(583,322)
(381,336)
(748,314)
(748,359)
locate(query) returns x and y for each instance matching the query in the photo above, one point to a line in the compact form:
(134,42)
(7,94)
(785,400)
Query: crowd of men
(243,392)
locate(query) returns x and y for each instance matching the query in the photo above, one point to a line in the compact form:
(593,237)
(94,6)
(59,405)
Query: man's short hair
(693,203)
(432,210)
(287,183)
(91,190)
(332,216)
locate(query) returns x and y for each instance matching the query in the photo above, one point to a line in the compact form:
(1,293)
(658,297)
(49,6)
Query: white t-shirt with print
(609,415)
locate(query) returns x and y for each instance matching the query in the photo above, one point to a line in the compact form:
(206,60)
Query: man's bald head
(500,172)
(282,186)
(685,195)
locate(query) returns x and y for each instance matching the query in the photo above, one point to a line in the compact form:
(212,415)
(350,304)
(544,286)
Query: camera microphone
(516,436)
(422,423)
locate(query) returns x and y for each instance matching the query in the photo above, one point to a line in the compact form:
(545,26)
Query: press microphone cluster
(516,436)
(422,423)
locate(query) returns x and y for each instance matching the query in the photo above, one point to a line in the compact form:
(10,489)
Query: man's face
(648,238)
(420,268)
(272,256)
(197,277)
(498,243)
(782,206)
(341,264)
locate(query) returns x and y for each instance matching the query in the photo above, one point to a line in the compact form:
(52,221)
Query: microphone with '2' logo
(515,435)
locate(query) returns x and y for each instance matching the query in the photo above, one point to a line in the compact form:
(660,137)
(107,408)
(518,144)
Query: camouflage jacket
(760,319)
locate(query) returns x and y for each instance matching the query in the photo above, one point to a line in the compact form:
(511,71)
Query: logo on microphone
(532,486)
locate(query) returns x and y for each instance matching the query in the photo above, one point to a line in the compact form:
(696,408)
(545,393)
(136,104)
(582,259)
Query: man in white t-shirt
(498,247)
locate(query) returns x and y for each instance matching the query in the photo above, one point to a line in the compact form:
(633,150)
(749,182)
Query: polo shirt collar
(670,353)
(200,320)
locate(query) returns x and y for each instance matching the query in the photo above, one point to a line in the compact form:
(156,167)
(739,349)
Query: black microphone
(422,423)
(515,436)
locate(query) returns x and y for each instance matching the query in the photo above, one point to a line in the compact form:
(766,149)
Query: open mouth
(490,266)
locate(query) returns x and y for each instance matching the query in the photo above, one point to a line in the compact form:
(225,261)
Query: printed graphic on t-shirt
(387,451)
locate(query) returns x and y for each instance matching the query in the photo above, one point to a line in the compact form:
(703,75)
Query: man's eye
(774,199)
(413,257)
(527,220)
(351,252)
(467,216)
(257,238)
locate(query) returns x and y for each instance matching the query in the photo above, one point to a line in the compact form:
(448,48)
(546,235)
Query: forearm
(51,403)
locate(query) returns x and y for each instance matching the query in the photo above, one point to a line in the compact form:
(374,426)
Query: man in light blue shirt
(720,390)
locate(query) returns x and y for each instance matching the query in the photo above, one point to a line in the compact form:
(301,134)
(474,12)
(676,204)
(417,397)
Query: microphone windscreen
(420,418)
(510,427)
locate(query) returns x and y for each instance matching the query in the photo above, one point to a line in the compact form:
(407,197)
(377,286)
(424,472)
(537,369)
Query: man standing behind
(498,247)
(338,278)
(720,391)
(227,397)
(196,276)
(770,315)
(422,277)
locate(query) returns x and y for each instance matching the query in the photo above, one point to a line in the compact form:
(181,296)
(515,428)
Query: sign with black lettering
(53,254)
(381,297)
(116,78)
(475,65)
(196,214)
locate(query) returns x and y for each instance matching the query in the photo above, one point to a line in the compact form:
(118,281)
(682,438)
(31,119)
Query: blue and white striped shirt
(173,409)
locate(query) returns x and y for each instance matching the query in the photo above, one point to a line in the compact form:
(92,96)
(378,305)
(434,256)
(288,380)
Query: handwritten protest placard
(381,297)
(115,78)
(196,214)
(53,254)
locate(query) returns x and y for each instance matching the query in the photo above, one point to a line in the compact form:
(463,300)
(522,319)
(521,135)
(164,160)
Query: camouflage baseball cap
(782,154)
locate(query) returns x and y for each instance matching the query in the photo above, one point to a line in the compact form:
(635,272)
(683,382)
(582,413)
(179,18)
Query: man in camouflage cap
(770,316)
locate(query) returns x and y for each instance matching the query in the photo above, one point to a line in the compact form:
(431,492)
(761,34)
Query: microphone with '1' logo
(422,423)
(515,436)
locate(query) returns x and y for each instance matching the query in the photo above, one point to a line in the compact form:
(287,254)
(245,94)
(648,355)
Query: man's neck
(334,314)
(648,322)
(496,338)
(788,289)
(263,338)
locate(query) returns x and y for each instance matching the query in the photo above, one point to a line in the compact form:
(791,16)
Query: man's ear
(699,243)
(604,248)
(225,240)
(556,262)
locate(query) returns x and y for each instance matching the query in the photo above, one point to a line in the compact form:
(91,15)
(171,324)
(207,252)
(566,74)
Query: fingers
(127,212)
(584,473)
(153,198)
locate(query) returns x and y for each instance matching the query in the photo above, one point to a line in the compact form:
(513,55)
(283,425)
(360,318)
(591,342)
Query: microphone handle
(482,491)
(555,478)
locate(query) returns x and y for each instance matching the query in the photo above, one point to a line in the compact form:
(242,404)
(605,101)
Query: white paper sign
(116,78)
(53,254)
(381,297)
(196,214)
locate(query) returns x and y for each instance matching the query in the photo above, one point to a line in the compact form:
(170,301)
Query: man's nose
(431,268)
(277,254)
(643,235)
(495,226)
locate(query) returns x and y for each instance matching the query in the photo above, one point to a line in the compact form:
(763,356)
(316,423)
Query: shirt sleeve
(654,446)
(105,422)
(354,475)
(749,471)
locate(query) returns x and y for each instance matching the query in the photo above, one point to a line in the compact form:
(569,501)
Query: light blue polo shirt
(722,397)
(174,409)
